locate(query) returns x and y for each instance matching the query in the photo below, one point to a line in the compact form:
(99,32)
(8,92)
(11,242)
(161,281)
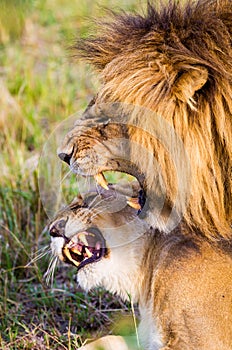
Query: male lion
(182,283)
(170,71)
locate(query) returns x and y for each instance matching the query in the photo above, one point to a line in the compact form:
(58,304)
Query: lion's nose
(65,157)
(58,229)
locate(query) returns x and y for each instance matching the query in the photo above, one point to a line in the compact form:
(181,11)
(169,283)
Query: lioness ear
(188,83)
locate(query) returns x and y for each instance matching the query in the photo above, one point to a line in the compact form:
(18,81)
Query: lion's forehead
(88,217)
(81,215)
(73,215)
(99,217)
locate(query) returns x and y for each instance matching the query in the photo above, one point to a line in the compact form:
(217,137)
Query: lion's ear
(188,83)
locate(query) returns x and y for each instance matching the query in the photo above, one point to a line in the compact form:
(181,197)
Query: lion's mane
(177,61)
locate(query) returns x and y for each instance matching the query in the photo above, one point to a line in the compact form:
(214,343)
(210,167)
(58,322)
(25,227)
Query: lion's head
(171,73)
(102,236)
(181,282)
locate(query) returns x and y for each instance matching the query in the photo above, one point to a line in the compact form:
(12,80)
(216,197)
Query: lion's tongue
(85,249)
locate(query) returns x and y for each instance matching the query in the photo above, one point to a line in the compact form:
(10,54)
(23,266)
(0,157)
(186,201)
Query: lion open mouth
(85,248)
(135,202)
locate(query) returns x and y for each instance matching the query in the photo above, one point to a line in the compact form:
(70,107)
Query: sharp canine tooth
(76,251)
(134,203)
(100,179)
(67,253)
(88,252)
(83,239)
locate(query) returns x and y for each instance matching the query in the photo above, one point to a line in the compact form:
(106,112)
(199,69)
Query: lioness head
(173,66)
(181,282)
(102,236)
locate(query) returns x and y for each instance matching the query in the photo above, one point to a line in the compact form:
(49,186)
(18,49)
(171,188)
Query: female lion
(182,283)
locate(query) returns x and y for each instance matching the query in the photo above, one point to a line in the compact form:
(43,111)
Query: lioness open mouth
(85,248)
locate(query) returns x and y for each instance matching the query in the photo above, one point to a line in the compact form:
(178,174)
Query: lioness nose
(58,228)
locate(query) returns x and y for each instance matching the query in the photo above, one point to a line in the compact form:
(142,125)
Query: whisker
(53,270)
(49,274)
(66,175)
(39,255)
(87,184)
(98,211)
(93,205)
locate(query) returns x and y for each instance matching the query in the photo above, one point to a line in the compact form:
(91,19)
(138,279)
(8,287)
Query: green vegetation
(40,86)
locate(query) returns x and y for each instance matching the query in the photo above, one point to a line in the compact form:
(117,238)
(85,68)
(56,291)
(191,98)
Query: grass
(40,86)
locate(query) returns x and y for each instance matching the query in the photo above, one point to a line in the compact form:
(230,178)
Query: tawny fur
(182,283)
(177,61)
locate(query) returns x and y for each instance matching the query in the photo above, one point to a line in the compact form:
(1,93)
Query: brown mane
(177,61)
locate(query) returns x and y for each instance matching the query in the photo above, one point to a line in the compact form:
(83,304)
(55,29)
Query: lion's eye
(61,224)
